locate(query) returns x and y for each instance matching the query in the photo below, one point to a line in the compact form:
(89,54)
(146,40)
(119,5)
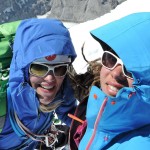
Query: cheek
(104,76)
(34,80)
(103,73)
(59,81)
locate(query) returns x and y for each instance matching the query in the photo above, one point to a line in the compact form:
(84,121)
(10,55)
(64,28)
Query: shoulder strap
(143,131)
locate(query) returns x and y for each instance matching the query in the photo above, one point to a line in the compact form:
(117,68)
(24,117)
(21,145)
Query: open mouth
(47,87)
(113,88)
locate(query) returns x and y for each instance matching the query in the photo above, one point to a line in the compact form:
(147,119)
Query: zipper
(96,123)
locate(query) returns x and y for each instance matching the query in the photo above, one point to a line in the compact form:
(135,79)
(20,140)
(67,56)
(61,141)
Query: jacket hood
(134,52)
(35,38)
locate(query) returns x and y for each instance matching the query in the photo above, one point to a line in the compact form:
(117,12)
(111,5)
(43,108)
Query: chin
(45,102)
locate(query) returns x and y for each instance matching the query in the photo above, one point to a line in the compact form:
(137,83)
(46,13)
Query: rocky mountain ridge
(66,10)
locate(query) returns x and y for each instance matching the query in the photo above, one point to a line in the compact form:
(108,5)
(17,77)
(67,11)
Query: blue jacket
(35,38)
(108,116)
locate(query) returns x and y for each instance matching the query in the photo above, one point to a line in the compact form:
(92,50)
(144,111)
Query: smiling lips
(113,88)
(47,87)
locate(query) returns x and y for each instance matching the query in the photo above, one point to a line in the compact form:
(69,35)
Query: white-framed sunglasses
(41,70)
(110,61)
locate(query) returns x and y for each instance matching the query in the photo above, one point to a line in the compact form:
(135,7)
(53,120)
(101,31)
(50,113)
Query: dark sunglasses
(110,61)
(41,70)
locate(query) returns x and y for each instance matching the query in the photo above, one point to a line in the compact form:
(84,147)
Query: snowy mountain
(80,32)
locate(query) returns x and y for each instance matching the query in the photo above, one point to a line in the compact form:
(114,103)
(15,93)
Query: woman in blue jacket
(38,84)
(118,114)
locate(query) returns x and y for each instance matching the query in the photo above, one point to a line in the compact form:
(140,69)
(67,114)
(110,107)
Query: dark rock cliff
(65,10)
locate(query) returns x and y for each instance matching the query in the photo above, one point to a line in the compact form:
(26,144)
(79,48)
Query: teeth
(113,88)
(47,87)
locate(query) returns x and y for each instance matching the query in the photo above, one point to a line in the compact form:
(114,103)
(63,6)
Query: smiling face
(47,86)
(113,77)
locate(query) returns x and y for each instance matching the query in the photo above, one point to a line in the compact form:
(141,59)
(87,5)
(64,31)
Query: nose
(117,73)
(50,76)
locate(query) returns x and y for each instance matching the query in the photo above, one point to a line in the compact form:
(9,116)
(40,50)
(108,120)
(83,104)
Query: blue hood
(36,38)
(134,52)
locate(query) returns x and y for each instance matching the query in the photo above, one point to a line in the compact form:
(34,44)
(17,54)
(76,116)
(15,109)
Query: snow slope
(80,32)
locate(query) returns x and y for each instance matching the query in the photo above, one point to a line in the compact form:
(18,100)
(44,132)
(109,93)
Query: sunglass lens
(108,60)
(60,70)
(38,70)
